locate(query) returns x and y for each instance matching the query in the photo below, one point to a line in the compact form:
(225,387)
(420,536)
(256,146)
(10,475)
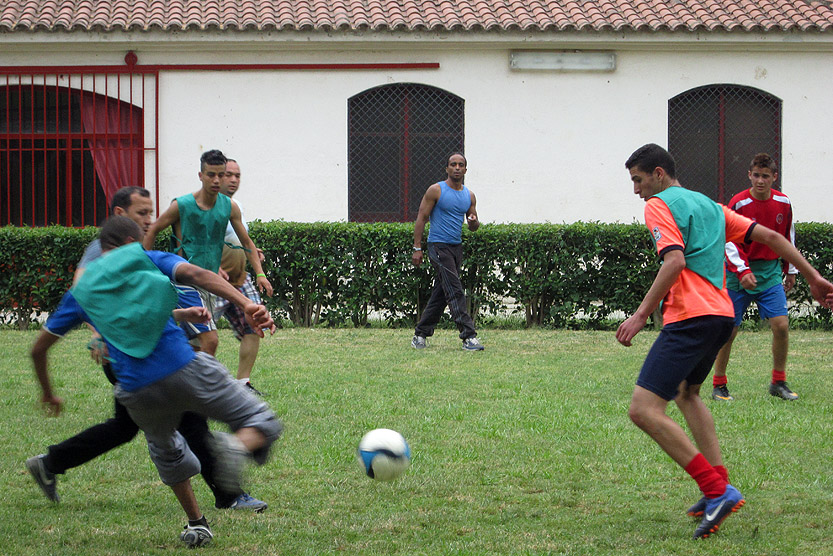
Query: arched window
(63,152)
(398,138)
(714,131)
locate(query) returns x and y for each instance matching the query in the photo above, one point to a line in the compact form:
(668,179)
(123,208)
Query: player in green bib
(199,222)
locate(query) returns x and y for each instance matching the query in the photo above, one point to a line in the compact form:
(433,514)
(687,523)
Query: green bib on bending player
(705,247)
(127,298)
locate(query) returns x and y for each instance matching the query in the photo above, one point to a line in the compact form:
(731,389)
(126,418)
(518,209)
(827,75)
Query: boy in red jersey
(755,273)
(690,232)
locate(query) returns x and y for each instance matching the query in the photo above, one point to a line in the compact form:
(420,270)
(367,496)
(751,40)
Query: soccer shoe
(718,509)
(419,342)
(196,535)
(246,502)
(472,344)
(722,393)
(698,508)
(46,479)
(781,390)
(253,390)
(231,456)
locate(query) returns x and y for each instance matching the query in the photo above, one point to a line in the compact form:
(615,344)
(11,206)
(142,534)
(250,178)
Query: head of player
(117,231)
(652,170)
(231,179)
(212,171)
(763,171)
(134,203)
(455,167)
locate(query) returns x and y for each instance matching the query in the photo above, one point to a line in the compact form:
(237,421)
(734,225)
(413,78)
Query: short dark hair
(648,158)
(212,158)
(448,158)
(116,230)
(122,197)
(763,160)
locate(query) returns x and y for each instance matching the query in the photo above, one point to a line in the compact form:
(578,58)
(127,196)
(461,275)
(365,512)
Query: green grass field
(525,448)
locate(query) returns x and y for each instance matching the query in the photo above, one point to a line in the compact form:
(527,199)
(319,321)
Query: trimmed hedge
(581,275)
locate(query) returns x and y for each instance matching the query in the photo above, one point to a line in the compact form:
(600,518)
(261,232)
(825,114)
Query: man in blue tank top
(446,205)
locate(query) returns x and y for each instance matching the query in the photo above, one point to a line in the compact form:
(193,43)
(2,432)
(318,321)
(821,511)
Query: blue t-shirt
(172,352)
(448,214)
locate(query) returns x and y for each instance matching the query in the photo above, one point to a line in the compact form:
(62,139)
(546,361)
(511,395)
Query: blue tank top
(448,214)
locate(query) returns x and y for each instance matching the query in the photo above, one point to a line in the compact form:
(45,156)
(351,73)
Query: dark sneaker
(246,502)
(419,342)
(722,393)
(698,508)
(230,456)
(781,390)
(472,344)
(718,509)
(46,479)
(253,390)
(196,535)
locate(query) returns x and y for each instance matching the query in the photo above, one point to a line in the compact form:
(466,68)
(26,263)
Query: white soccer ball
(384,454)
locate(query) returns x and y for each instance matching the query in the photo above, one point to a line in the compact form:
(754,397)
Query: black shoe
(44,477)
(253,390)
(722,393)
(698,508)
(718,509)
(781,390)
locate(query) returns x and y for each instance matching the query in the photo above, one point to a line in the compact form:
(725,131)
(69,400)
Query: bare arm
(821,289)
(471,216)
(52,404)
(673,264)
(257,315)
(429,200)
(252,252)
(168,218)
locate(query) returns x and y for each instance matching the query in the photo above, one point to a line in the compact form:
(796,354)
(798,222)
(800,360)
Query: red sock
(708,479)
(778,376)
(719,381)
(723,472)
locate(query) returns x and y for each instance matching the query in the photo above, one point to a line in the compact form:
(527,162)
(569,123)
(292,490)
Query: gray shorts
(202,386)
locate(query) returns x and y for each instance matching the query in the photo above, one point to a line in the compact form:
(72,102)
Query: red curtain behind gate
(116,142)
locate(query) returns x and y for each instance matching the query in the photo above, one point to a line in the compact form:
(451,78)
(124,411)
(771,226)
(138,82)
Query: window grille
(399,138)
(713,133)
(67,142)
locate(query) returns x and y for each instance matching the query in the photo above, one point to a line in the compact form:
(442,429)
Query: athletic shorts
(772,302)
(233,313)
(684,350)
(191,297)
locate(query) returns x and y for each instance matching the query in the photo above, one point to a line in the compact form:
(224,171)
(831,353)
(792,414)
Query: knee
(638,415)
(780,328)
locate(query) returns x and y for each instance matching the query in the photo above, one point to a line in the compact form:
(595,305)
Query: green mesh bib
(203,231)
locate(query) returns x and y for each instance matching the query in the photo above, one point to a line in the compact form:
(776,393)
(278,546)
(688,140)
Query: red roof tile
(417,15)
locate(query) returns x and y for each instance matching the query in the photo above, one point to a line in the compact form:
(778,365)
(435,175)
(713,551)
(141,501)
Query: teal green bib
(203,231)
(128,299)
(703,226)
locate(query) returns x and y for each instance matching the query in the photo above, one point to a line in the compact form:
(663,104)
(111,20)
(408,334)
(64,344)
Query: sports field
(525,448)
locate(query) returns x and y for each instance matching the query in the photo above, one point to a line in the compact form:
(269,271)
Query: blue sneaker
(698,508)
(246,502)
(472,344)
(718,509)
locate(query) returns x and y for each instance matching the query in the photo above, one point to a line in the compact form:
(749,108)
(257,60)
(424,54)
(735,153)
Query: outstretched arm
(168,218)
(252,252)
(51,403)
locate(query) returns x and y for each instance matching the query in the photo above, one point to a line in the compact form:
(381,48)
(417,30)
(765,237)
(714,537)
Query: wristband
(260,274)
(417,248)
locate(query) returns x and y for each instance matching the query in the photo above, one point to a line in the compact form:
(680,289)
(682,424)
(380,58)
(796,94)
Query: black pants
(120,429)
(448,290)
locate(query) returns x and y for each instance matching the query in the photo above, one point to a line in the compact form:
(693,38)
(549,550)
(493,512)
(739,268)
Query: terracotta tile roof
(417,15)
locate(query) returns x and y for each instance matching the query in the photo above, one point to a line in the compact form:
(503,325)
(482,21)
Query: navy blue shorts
(684,350)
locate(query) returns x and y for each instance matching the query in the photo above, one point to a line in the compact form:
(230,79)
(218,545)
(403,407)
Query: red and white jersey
(775,213)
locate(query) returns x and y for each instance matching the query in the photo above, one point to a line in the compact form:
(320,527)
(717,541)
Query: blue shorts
(190,297)
(684,350)
(772,302)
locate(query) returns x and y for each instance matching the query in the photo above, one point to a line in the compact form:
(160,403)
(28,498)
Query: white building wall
(542,146)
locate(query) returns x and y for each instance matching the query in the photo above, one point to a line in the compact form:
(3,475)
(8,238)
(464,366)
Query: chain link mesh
(713,133)
(399,138)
